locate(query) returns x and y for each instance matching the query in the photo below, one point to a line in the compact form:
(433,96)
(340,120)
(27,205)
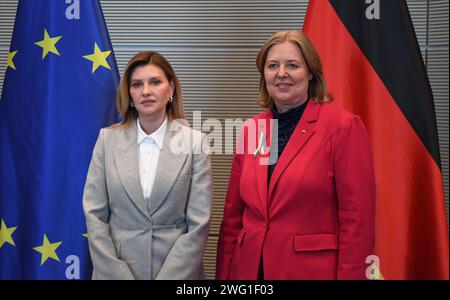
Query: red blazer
(316,218)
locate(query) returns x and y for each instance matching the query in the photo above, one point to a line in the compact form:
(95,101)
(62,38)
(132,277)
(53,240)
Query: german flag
(373,67)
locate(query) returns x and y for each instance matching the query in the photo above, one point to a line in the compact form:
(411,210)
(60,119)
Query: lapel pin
(261,145)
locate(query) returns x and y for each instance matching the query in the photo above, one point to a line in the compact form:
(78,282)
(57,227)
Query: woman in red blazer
(305,208)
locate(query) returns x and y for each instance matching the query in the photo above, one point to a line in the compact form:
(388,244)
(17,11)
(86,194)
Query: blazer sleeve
(186,255)
(355,188)
(231,223)
(96,210)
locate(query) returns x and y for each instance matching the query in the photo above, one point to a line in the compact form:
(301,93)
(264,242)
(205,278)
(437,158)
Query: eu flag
(59,90)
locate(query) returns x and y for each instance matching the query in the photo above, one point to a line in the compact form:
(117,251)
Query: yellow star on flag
(98,58)
(48,44)
(48,250)
(9,60)
(6,234)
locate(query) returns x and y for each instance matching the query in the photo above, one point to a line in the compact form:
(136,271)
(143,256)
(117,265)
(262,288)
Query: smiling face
(150,91)
(286,75)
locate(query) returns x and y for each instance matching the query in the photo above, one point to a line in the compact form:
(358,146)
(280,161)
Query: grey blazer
(163,237)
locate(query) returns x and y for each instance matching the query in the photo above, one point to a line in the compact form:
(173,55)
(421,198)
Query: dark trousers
(261,269)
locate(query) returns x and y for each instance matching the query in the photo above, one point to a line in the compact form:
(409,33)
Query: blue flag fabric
(59,90)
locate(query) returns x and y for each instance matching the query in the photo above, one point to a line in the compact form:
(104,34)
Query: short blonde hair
(174,109)
(317,89)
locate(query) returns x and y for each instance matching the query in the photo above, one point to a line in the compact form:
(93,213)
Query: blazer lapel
(262,160)
(126,156)
(167,170)
(302,133)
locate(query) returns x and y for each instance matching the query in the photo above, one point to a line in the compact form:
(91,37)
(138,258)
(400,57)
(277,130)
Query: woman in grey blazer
(148,193)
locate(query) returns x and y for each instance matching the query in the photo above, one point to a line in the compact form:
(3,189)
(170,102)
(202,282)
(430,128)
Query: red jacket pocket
(315,242)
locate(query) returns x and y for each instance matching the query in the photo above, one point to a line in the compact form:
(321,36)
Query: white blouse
(149,148)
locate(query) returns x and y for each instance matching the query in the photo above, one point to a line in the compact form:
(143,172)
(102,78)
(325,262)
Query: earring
(132,104)
(171,99)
